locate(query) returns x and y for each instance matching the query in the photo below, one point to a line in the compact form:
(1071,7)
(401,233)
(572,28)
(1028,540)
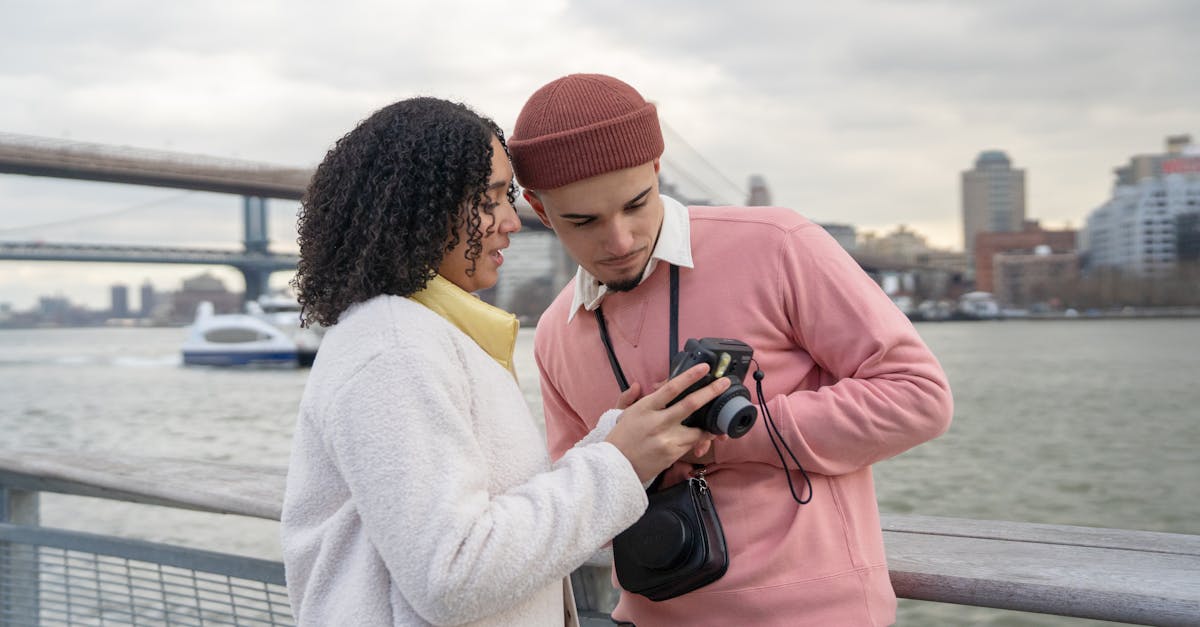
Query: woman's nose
(508,219)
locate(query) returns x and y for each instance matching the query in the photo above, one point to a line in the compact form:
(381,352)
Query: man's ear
(656,166)
(538,208)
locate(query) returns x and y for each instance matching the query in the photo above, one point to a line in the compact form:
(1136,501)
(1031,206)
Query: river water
(1083,422)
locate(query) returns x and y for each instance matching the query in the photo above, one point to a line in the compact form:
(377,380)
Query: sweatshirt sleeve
(402,437)
(887,391)
(564,427)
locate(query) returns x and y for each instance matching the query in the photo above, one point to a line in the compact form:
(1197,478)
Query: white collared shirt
(674,246)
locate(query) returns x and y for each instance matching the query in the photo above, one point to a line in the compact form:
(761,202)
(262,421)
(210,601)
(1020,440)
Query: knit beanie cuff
(549,152)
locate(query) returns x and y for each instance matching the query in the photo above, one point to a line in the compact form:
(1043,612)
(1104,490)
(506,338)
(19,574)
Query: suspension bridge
(256,183)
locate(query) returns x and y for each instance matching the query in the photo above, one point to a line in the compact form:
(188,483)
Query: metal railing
(58,577)
(62,577)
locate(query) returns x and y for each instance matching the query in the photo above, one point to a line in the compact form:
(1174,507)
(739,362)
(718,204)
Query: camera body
(732,412)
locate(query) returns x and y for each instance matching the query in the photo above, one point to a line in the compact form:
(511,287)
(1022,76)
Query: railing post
(19,602)
(594,592)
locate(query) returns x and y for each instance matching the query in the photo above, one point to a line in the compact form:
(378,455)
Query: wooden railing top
(1106,574)
(246,490)
(1121,575)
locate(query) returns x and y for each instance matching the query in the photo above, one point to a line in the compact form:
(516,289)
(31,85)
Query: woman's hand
(702,453)
(651,435)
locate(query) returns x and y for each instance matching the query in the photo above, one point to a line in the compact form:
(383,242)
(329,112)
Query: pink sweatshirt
(848,381)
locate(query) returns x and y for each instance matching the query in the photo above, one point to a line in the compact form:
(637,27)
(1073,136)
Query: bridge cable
(97,216)
(675,136)
(712,196)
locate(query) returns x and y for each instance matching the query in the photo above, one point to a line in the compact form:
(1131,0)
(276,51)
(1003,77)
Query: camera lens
(736,416)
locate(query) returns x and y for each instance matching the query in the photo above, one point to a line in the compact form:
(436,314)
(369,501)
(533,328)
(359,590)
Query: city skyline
(862,113)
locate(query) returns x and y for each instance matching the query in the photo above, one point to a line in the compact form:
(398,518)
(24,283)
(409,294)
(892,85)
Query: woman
(419,490)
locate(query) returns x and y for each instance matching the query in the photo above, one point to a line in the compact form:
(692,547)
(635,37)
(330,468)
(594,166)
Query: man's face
(608,223)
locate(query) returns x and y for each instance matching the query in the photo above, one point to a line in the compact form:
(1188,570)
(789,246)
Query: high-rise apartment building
(993,198)
(1138,230)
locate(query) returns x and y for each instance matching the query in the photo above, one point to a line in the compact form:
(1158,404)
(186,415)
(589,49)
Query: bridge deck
(37,156)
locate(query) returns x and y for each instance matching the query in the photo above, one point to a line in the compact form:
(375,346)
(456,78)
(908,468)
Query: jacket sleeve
(403,440)
(884,391)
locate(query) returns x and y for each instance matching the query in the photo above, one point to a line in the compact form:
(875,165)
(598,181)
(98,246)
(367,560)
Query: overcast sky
(860,112)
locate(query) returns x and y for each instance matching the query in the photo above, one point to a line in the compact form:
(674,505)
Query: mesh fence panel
(49,586)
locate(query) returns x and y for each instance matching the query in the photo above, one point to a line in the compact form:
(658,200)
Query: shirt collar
(674,246)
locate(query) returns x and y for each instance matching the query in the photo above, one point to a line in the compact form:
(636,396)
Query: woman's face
(497,220)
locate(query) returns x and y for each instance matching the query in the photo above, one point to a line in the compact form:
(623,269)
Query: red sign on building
(1182,165)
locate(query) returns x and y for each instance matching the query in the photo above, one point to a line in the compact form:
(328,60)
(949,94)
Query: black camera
(732,412)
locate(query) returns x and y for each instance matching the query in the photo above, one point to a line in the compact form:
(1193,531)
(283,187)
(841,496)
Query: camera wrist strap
(622,382)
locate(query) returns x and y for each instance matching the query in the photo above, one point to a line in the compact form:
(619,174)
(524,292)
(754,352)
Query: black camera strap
(673,345)
(622,382)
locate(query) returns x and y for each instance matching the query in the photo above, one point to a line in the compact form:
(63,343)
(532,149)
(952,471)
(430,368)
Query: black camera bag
(676,546)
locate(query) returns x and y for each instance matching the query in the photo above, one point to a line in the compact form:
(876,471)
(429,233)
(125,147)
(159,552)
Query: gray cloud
(893,99)
(859,111)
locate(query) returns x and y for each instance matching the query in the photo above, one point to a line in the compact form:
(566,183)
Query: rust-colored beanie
(579,126)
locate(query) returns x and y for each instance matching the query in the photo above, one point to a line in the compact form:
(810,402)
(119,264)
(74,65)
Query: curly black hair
(389,201)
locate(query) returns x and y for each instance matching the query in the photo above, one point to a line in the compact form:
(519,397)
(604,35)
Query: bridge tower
(254,222)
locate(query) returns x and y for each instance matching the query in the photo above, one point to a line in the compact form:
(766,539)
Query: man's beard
(624,285)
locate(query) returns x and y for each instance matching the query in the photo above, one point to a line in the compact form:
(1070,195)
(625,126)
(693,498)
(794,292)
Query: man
(847,379)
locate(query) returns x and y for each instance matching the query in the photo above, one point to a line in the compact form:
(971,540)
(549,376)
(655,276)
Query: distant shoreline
(1126,313)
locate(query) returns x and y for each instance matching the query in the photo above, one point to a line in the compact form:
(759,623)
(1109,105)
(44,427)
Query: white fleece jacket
(420,491)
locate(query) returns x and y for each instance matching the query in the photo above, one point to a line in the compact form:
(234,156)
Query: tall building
(149,300)
(1187,237)
(760,194)
(993,198)
(120,301)
(1137,231)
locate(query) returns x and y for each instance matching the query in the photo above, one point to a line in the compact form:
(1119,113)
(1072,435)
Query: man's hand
(703,453)
(630,396)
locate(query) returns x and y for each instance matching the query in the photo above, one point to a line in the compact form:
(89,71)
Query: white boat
(268,334)
(978,306)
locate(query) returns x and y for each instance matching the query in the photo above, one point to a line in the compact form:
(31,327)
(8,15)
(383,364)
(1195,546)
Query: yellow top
(492,328)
